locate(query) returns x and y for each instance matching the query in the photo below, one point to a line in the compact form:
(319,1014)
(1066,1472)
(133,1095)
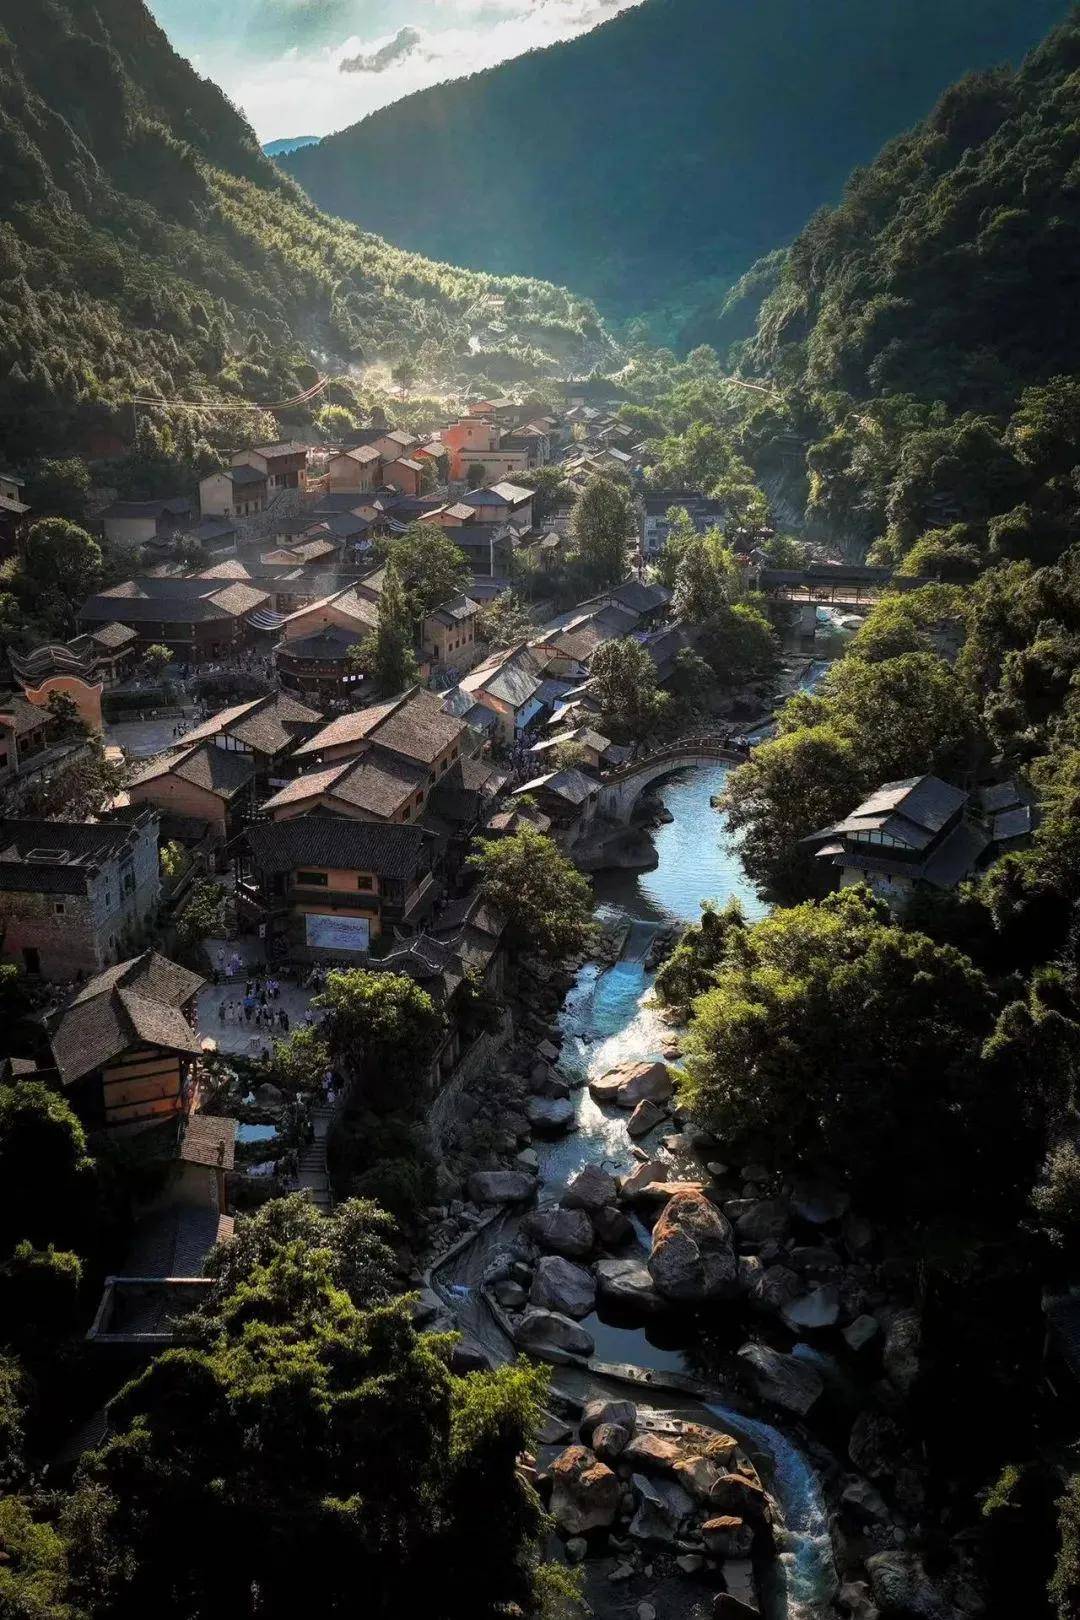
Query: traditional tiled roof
(327,646)
(204,766)
(208,1139)
(54,857)
(312,785)
(136,1002)
(267,724)
(114,635)
(379,784)
(454,611)
(412,724)
(328,841)
(170,600)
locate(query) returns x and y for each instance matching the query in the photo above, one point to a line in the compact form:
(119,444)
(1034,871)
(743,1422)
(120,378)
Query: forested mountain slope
(148,246)
(677,142)
(924,330)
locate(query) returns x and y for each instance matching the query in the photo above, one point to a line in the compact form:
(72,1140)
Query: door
(31,959)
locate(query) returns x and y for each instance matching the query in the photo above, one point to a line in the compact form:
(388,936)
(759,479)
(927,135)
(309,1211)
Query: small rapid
(606,1020)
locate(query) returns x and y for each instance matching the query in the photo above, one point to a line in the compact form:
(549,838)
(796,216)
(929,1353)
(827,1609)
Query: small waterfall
(639,936)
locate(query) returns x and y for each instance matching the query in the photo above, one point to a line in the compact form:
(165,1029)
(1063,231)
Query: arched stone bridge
(622,789)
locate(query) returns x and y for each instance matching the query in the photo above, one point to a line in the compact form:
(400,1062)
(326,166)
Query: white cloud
(317,91)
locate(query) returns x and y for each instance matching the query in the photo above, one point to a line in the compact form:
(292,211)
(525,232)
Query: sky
(307,67)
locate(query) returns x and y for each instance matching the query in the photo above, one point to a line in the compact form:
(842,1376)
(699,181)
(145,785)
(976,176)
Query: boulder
(545,1331)
(902,1588)
(875,1444)
(864,1502)
(268,1096)
(858,1236)
(775,1288)
(550,1114)
(784,1380)
(819,1309)
(859,1333)
(544,1082)
(501,1187)
(692,1257)
(610,1440)
(597,1413)
(657,1452)
(727,1536)
(466,1357)
(553,1431)
(632,1083)
(662,1505)
(645,1118)
(559,1285)
(584,1493)
(737,1493)
(816,1260)
(560,1231)
(700,1476)
(611,1227)
(629,1284)
(901,1352)
(646,1175)
(590,1190)
(548,1051)
(766,1221)
(739,1602)
(528,1160)
(819,1202)
(510,1295)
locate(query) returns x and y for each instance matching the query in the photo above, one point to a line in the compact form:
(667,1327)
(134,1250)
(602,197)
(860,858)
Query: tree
(387,655)
(1065,1582)
(546,901)
(299,1061)
(355,1236)
(48,1183)
(833,1034)
(384,1029)
(504,620)
(156,659)
(690,969)
(59,488)
(604,527)
(62,564)
(65,712)
(475,474)
(622,678)
(549,488)
(404,374)
(313,1450)
(206,915)
(789,788)
(700,587)
(431,568)
(738,644)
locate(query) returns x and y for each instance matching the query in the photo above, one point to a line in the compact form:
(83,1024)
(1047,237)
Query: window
(443,766)
(420,797)
(364,880)
(58,908)
(312,880)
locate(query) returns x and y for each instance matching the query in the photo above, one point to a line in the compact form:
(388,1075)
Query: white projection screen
(326,933)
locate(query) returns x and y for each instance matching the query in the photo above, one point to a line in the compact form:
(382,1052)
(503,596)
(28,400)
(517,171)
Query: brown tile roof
(134,1003)
(310,786)
(412,724)
(379,784)
(268,724)
(204,766)
(208,1139)
(362,846)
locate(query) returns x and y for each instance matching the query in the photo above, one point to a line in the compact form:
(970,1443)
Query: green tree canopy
(384,1029)
(388,656)
(546,901)
(62,565)
(604,527)
(622,678)
(431,568)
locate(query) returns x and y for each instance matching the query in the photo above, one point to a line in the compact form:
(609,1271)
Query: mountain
(148,247)
(275,149)
(676,143)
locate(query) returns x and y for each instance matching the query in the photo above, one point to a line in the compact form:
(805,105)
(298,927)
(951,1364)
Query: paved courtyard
(140,739)
(233,1035)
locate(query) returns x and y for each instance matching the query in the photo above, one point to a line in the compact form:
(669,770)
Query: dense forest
(148,247)
(667,149)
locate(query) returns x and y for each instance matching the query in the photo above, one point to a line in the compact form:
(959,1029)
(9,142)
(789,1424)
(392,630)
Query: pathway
(313,1177)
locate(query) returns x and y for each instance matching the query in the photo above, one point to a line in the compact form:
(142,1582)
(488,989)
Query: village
(272,811)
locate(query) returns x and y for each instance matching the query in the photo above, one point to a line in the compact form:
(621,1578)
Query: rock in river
(561,1231)
(818,1309)
(692,1256)
(628,1283)
(632,1083)
(597,1413)
(545,1331)
(784,1380)
(501,1187)
(550,1114)
(559,1285)
(585,1492)
(645,1118)
(590,1189)
(901,1586)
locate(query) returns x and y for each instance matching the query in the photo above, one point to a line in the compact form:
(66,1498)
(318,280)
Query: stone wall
(482,1055)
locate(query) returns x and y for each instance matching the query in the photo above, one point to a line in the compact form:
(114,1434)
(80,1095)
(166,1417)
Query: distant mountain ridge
(677,142)
(292,143)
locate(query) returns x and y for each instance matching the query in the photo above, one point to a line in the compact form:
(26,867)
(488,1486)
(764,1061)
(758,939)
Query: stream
(605,1022)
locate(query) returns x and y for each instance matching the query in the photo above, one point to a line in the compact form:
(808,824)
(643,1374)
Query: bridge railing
(715,744)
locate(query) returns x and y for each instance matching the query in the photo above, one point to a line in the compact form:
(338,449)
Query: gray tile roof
(328,841)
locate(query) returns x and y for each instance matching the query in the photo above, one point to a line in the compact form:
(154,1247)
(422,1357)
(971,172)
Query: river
(605,1021)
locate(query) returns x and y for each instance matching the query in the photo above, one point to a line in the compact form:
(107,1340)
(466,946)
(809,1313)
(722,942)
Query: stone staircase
(313,1177)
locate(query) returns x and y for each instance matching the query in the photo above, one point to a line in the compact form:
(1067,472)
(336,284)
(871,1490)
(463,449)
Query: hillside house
(198,619)
(125,1046)
(266,730)
(327,888)
(405,475)
(919,832)
(355,471)
(283,465)
(570,798)
(129,525)
(200,781)
(26,734)
(449,634)
(509,683)
(74,895)
(236,492)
